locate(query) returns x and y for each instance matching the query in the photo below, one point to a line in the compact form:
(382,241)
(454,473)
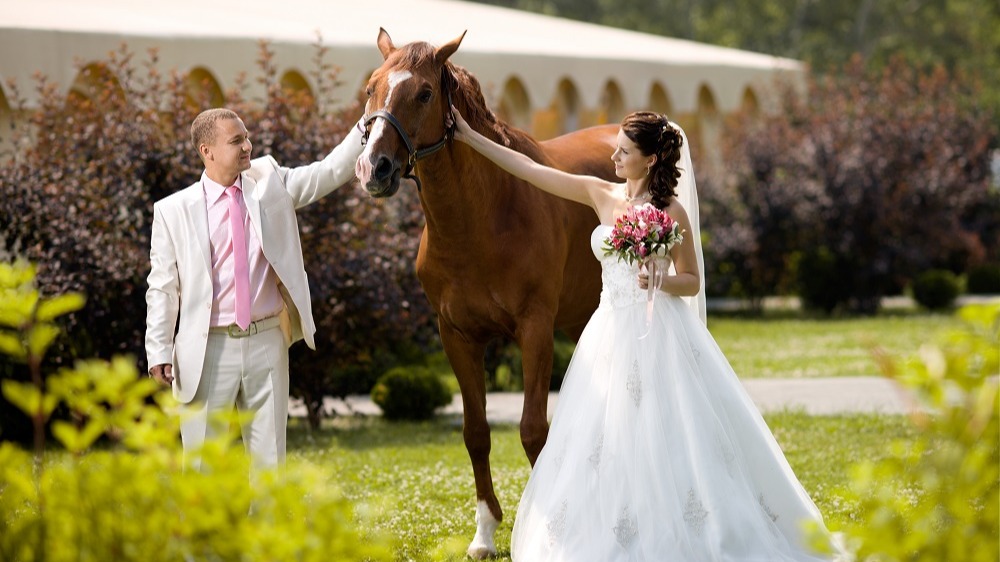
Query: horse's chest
(463,299)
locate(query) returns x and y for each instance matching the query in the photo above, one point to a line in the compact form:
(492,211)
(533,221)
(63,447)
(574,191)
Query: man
(226,259)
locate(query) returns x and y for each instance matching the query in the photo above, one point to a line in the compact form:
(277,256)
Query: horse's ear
(448,49)
(385,43)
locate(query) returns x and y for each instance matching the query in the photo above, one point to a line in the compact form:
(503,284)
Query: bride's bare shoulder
(676,211)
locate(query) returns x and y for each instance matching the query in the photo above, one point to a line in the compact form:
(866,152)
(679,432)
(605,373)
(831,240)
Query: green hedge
(983,280)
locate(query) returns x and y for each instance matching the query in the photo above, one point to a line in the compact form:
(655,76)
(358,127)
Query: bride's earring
(648,168)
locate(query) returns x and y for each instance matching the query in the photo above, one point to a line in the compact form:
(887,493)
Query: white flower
(660,250)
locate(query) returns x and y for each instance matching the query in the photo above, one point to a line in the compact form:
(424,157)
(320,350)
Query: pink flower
(642,232)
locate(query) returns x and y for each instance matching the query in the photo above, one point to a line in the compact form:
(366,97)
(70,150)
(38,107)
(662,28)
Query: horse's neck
(462,192)
(465,194)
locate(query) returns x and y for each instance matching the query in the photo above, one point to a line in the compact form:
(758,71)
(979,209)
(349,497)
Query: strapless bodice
(620,282)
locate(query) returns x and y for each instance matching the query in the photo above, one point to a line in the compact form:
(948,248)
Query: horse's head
(408,98)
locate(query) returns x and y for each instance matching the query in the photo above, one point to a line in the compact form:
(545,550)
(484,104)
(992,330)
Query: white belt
(234,331)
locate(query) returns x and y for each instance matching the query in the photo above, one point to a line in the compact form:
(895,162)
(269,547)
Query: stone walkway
(815,396)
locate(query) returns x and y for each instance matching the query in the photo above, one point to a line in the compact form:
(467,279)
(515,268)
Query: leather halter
(415,154)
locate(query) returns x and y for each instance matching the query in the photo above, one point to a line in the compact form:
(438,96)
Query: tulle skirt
(656,453)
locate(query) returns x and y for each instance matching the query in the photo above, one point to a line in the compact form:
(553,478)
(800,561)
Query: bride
(655,452)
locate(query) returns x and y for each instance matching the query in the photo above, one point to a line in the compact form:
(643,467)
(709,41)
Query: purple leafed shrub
(76,196)
(874,176)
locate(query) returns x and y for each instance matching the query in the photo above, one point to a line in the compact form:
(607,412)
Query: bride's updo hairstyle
(652,133)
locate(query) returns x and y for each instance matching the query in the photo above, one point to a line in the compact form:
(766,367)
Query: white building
(546,75)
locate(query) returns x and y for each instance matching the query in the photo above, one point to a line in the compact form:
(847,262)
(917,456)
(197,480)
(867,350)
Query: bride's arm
(687,280)
(582,189)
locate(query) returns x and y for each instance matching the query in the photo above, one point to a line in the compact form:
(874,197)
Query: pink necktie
(241,265)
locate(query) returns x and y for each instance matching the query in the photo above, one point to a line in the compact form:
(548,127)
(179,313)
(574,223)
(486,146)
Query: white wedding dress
(655,452)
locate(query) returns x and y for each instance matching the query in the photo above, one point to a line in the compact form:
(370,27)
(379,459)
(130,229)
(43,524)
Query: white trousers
(250,373)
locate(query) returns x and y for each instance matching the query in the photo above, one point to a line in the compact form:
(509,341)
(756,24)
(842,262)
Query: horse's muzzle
(384,179)
(386,187)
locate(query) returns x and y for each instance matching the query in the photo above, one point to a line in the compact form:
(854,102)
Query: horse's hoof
(482,546)
(481,551)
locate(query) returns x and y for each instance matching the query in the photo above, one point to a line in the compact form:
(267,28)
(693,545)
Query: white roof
(47,35)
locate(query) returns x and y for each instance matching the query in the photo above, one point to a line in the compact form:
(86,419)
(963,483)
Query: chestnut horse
(497,257)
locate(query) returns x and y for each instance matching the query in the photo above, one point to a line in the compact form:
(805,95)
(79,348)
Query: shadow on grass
(782,315)
(359,433)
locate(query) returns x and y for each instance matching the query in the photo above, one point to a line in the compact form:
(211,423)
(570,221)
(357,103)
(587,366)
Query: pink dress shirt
(265,299)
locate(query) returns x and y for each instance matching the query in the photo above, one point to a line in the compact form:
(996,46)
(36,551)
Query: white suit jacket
(180,281)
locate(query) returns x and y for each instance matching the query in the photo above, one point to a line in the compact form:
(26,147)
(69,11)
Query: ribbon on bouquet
(656,268)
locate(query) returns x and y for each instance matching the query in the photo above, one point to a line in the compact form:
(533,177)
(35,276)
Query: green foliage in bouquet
(122,492)
(935,498)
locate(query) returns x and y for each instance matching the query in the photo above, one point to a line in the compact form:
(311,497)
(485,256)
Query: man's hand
(162,374)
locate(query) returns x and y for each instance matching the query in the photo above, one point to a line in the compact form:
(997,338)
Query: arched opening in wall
(297,91)
(95,84)
(514,106)
(567,106)
(749,103)
(612,104)
(659,101)
(6,124)
(202,90)
(709,129)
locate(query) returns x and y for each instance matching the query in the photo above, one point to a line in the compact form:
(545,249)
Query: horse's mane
(467,95)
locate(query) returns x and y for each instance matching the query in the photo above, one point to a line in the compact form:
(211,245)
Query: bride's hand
(462,129)
(663,263)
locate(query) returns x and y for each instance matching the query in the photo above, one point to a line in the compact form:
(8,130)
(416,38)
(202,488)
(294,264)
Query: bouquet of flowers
(642,232)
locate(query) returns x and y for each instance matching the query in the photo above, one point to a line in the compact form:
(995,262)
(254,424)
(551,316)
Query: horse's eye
(425,96)
(368,91)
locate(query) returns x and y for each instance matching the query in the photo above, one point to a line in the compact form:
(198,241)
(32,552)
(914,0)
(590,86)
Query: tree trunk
(861,27)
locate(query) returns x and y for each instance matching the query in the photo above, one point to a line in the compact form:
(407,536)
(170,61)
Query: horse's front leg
(535,339)
(466,360)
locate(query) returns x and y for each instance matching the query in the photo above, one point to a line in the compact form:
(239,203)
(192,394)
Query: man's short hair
(203,126)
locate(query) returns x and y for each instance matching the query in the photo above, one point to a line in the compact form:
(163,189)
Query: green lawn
(416,482)
(783,346)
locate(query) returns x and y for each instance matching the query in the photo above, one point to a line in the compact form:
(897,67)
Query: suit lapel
(253,204)
(198,211)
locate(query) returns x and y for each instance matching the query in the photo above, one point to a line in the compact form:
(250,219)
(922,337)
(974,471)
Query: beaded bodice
(620,285)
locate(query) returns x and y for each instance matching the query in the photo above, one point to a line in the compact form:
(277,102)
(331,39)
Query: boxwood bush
(410,393)
(936,289)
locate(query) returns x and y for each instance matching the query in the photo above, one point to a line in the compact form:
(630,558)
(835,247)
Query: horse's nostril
(383,168)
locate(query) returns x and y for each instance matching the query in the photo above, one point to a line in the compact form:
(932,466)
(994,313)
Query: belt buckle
(235,331)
